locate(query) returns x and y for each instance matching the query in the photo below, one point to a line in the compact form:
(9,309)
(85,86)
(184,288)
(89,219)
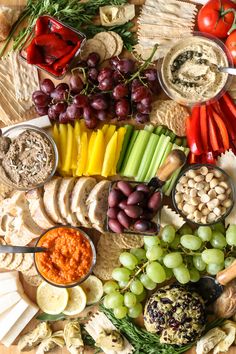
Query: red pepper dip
(69,256)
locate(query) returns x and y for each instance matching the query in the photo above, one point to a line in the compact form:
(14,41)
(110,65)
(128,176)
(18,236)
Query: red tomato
(231,45)
(213,20)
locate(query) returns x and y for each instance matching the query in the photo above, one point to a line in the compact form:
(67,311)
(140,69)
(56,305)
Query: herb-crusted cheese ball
(176,314)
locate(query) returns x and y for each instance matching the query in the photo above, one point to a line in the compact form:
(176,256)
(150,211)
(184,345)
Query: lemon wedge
(77,301)
(93,289)
(51,299)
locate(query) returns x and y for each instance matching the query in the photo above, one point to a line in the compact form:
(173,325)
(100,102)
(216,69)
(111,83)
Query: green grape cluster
(184,255)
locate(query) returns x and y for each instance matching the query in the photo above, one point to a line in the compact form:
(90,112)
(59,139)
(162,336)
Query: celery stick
(128,134)
(133,163)
(158,130)
(166,153)
(178,141)
(128,151)
(157,156)
(147,157)
(149,128)
(172,136)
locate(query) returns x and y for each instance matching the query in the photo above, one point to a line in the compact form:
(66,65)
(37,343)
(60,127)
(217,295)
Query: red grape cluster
(116,91)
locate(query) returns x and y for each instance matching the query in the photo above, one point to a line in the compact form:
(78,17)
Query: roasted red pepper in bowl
(53,47)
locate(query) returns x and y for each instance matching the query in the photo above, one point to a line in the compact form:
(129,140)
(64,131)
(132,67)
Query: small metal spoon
(227,70)
(20,249)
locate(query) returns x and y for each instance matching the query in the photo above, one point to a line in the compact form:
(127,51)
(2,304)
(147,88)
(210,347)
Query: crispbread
(170,114)
(34,280)
(109,41)
(119,42)
(26,263)
(94,45)
(170,217)
(128,241)
(16,261)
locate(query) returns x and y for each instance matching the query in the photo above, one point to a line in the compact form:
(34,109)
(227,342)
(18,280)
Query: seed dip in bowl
(189,72)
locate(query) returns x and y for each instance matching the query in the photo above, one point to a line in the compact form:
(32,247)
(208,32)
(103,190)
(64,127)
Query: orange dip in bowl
(70,256)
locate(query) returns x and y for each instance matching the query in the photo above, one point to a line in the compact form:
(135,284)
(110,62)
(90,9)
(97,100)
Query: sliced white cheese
(10,285)
(9,300)
(27,316)
(11,316)
(9,275)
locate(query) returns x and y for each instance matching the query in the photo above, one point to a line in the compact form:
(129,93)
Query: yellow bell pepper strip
(82,126)
(56,137)
(104,128)
(76,141)
(97,155)
(69,146)
(110,156)
(90,150)
(82,154)
(109,133)
(62,142)
(120,138)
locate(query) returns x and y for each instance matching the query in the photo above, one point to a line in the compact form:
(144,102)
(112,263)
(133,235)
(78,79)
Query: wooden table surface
(29,290)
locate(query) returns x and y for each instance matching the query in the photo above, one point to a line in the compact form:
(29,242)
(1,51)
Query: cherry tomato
(231,45)
(212,18)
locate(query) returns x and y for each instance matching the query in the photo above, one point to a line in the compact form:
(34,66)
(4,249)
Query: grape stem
(143,66)
(134,276)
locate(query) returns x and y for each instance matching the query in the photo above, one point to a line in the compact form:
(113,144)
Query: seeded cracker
(94,45)
(128,241)
(119,42)
(110,43)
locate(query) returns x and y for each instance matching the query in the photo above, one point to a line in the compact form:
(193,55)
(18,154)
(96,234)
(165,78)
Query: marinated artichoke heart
(111,340)
(56,339)
(176,314)
(73,339)
(34,337)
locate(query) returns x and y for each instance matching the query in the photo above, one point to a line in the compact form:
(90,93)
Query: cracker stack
(163,22)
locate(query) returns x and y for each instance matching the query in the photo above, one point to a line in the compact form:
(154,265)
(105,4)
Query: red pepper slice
(33,54)
(52,45)
(50,69)
(212,132)
(222,129)
(61,65)
(217,107)
(210,158)
(204,127)
(192,158)
(193,132)
(41,25)
(230,104)
(67,34)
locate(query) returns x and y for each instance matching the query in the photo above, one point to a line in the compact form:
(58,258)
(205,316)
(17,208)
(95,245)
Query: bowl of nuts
(203,194)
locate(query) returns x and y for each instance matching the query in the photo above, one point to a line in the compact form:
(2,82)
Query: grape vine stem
(134,276)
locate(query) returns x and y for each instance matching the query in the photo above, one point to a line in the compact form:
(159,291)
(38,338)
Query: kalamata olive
(115,226)
(147,214)
(143,188)
(154,202)
(133,211)
(112,213)
(153,228)
(135,198)
(142,225)
(124,219)
(143,203)
(125,188)
(123,204)
(114,198)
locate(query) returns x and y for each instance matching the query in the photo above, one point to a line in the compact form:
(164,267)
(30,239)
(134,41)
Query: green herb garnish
(46,317)
(74,13)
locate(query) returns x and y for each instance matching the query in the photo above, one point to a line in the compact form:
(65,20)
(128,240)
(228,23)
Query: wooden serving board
(29,290)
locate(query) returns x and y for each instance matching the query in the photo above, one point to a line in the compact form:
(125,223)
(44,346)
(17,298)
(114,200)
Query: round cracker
(34,280)
(26,263)
(119,43)
(2,255)
(110,43)
(31,272)
(4,263)
(16,261)
(128,241)
(93,45)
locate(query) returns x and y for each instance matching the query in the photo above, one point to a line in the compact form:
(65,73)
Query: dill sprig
(74,13)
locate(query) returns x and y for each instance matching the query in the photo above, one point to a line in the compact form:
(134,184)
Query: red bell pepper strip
(50,69)
(210,158)
(34,54)
(230,104)
(212,132)
(52,45)
(228,114)
(193,132)
(41,26)
(61,65)
(204,128)
(228,123)
(67,35)
(192,158)
(222,129)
